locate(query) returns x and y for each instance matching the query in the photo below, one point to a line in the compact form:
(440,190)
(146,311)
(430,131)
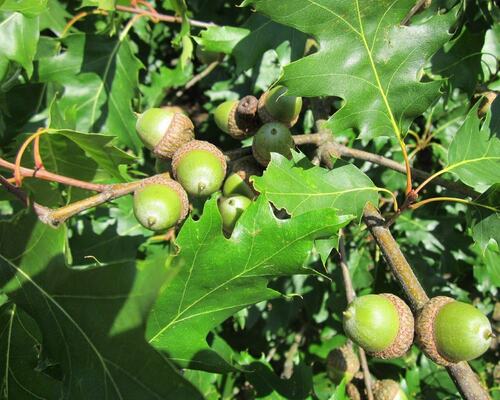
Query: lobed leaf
(216,276)
(366,57)
(91,320)
(299,189)
(103,71)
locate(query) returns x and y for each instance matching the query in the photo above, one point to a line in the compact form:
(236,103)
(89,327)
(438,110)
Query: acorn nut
(164,131)
(200,167)
(275,105)
(387,389)
(342,363)
(273,137)
(449,331)
(160,203)
(231,209)
(382,324)
(237,117)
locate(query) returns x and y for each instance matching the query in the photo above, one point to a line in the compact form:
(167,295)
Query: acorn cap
(342,362)
(404,338)
(352,392)
(246,167)
(425,328)
(387,389)
(179,132)
(175,109)
(198,145)
(164,179)
(266,116)
(242,121)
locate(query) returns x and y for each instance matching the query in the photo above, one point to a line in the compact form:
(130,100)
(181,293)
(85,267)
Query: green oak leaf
(474,153)
(250,41)
(460,61)
(104,72)
(366,57)
(485,223)
(20,346)
(97,149)
(299,188)
(19,37)
(54,17)
(102,4)
(91,320)
(29,8)
(218,276)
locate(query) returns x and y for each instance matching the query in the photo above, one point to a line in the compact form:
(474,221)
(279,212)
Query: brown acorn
(164,131)
(387,389)
(449,331)
(342,363)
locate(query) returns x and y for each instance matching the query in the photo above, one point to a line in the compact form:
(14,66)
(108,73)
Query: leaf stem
(451,199)
(52,177)
(17,165)
(78,17)
(163,17)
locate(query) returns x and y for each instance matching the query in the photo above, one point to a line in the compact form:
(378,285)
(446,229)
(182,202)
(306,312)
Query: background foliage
(98,308)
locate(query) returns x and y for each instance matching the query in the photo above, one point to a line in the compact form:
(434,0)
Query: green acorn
(273,137)
(164,131)
(342,363)
(449,331)
(387,389)
(200,167)
(382,324)
(236,185)
(160,204)
(231,209)
(237,118)
(275,105)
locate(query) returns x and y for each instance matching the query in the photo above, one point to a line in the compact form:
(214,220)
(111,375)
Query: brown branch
(330,148)
(40,210)
(465,379)
(350,294)
(50,176)
(290,354)
(58,216)
(415,9)
(162,17)
(203,74)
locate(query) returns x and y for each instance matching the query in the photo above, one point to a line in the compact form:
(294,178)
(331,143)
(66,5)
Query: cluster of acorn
(199,168)
(447,331)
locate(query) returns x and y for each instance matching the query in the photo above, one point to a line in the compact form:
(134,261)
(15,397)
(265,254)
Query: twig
(165,18)
(198,77)
(52,177)
(58,216)
(465,379)
(290,354)
(330,148)
(40,210)
(414,10)
(350,294)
